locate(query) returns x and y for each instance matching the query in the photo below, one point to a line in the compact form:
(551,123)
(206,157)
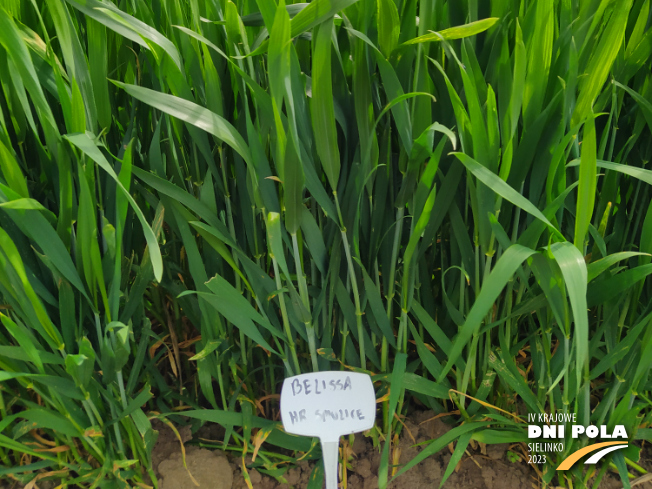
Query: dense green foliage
(200,198)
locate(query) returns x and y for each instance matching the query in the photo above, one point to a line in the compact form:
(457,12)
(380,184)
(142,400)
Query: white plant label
(328,405)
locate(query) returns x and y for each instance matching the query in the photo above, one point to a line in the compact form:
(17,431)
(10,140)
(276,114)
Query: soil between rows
(487,468)
(477,470)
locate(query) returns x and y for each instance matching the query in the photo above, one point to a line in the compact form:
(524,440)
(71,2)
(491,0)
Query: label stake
(329,455)
(328,405)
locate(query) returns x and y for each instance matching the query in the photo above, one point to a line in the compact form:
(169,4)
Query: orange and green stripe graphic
(607,447)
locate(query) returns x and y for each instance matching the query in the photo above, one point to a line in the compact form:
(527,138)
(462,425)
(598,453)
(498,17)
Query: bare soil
(483,468)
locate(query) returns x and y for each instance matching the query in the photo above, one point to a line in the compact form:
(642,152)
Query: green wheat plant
(199,199)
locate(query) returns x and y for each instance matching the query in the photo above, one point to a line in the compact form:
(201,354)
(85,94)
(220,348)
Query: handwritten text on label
(327,415)
(317,386)
(328,404)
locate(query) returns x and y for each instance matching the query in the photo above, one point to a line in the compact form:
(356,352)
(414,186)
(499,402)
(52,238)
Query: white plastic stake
(328,405)
(329,451)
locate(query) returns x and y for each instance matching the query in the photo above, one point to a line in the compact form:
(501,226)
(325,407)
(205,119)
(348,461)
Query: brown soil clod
(209,469)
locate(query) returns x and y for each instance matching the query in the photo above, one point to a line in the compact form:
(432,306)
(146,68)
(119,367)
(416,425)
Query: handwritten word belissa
(316,386)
